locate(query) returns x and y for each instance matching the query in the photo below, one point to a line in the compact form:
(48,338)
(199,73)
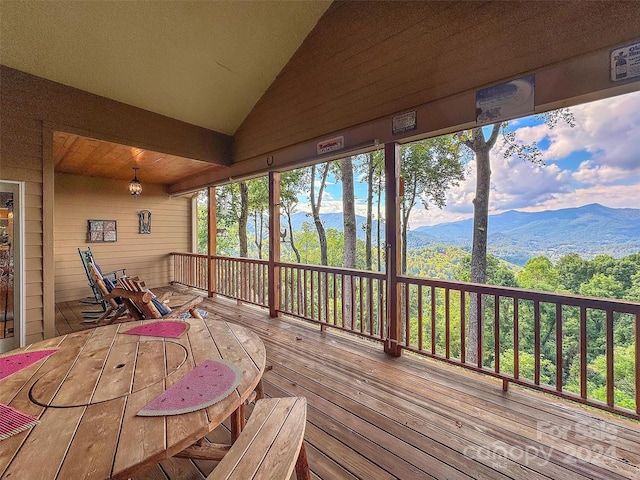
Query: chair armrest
(114,273)
(144,297)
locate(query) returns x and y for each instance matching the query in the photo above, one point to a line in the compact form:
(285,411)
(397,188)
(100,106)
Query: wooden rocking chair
(142,304)
(114,308)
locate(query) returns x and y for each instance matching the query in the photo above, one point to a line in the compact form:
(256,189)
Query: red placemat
(14,363)
(208,383)
(13,421)
(169,329)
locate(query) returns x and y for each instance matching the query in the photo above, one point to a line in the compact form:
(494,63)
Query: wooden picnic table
(95,384)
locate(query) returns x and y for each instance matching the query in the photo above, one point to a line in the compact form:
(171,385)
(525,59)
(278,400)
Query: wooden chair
(142,305)
(114,309)
(98,298)
(272,444)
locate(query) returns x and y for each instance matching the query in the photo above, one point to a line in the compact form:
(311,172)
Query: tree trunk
(257,233)
(482,149)
(368,225)
(315,211)
(291,241)
(349,221)
(242,220)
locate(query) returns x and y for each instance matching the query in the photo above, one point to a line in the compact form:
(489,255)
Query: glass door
(10,281)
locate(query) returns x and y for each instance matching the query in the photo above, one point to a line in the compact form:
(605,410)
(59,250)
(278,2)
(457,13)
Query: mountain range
(518,236)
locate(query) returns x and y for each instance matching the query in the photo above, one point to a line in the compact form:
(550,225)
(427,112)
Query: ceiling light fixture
(135,187)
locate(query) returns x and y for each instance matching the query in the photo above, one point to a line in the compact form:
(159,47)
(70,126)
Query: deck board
(371,416)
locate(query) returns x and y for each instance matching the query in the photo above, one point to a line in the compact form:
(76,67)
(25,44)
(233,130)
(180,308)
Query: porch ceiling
(205,63)
(94,158)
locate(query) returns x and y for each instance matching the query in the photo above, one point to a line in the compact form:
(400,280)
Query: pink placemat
(165,328)
(208,383)
(14,363)
(13,421)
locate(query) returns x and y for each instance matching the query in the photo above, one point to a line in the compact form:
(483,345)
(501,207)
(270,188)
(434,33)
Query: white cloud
(608,129)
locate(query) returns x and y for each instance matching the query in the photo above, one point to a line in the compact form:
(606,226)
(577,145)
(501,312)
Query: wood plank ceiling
(94,158)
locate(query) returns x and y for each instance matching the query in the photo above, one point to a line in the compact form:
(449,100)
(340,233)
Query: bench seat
(271,445)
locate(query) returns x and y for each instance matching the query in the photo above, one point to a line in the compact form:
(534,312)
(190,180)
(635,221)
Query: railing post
(212,225)
(274,243)
(393,252)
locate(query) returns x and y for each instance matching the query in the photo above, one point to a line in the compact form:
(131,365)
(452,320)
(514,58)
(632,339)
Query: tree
(349,246)
(316,202)
(372,167)
(258,204)
(291,183)
(573,272)
(243,217)
(428,167)
(481,147)
(349,212)
(539,274)
(202,205)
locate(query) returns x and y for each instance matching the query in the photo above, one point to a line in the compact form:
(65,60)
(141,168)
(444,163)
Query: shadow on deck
(375,417)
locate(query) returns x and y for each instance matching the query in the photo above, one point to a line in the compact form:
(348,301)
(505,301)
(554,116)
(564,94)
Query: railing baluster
(433,320)
(559,347)
(479,331)
(496,333)
(360,305)
(407,314)
(609,353)
(516,339)
(637,335)
(463,327)
(371,304)
(536,334)
(335,302)
(447,324)
(420,326)
(306,289)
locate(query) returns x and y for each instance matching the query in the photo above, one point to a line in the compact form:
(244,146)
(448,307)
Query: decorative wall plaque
(145,221)
(102,231)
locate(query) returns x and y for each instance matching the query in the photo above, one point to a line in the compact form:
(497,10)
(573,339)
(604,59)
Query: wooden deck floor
(375,417)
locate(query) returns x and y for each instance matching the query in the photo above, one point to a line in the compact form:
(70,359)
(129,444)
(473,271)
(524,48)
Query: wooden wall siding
(365,60)
(32,107)
(79,199)
(21,160)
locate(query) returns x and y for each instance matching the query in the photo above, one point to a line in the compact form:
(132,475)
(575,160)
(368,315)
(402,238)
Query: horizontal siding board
(79,199)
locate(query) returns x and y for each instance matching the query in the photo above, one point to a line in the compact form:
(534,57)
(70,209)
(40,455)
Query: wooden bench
(272,444)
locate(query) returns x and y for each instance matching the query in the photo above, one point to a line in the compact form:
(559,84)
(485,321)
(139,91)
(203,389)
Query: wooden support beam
(212,225)
(205,451)
(393,250)
(274,243)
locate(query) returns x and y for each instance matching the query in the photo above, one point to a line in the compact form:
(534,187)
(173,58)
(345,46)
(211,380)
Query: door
(11,327)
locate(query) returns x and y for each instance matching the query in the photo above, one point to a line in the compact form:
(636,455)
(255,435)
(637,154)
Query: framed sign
(99,231)
(505,101)
(625,62)
(404,122)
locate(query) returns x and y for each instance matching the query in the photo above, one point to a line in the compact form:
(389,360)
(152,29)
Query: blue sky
(597,161)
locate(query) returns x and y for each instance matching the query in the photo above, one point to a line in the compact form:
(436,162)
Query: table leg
(237,422)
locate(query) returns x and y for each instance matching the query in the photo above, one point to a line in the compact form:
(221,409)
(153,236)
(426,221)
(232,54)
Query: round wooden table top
(86,397)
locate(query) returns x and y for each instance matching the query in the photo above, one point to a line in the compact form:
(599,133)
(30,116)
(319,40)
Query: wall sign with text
(625,62)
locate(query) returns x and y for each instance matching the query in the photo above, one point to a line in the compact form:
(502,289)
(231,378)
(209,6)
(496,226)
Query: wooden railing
(518,336)
(517,329)
(351,300)
(191,269)
(244,279)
